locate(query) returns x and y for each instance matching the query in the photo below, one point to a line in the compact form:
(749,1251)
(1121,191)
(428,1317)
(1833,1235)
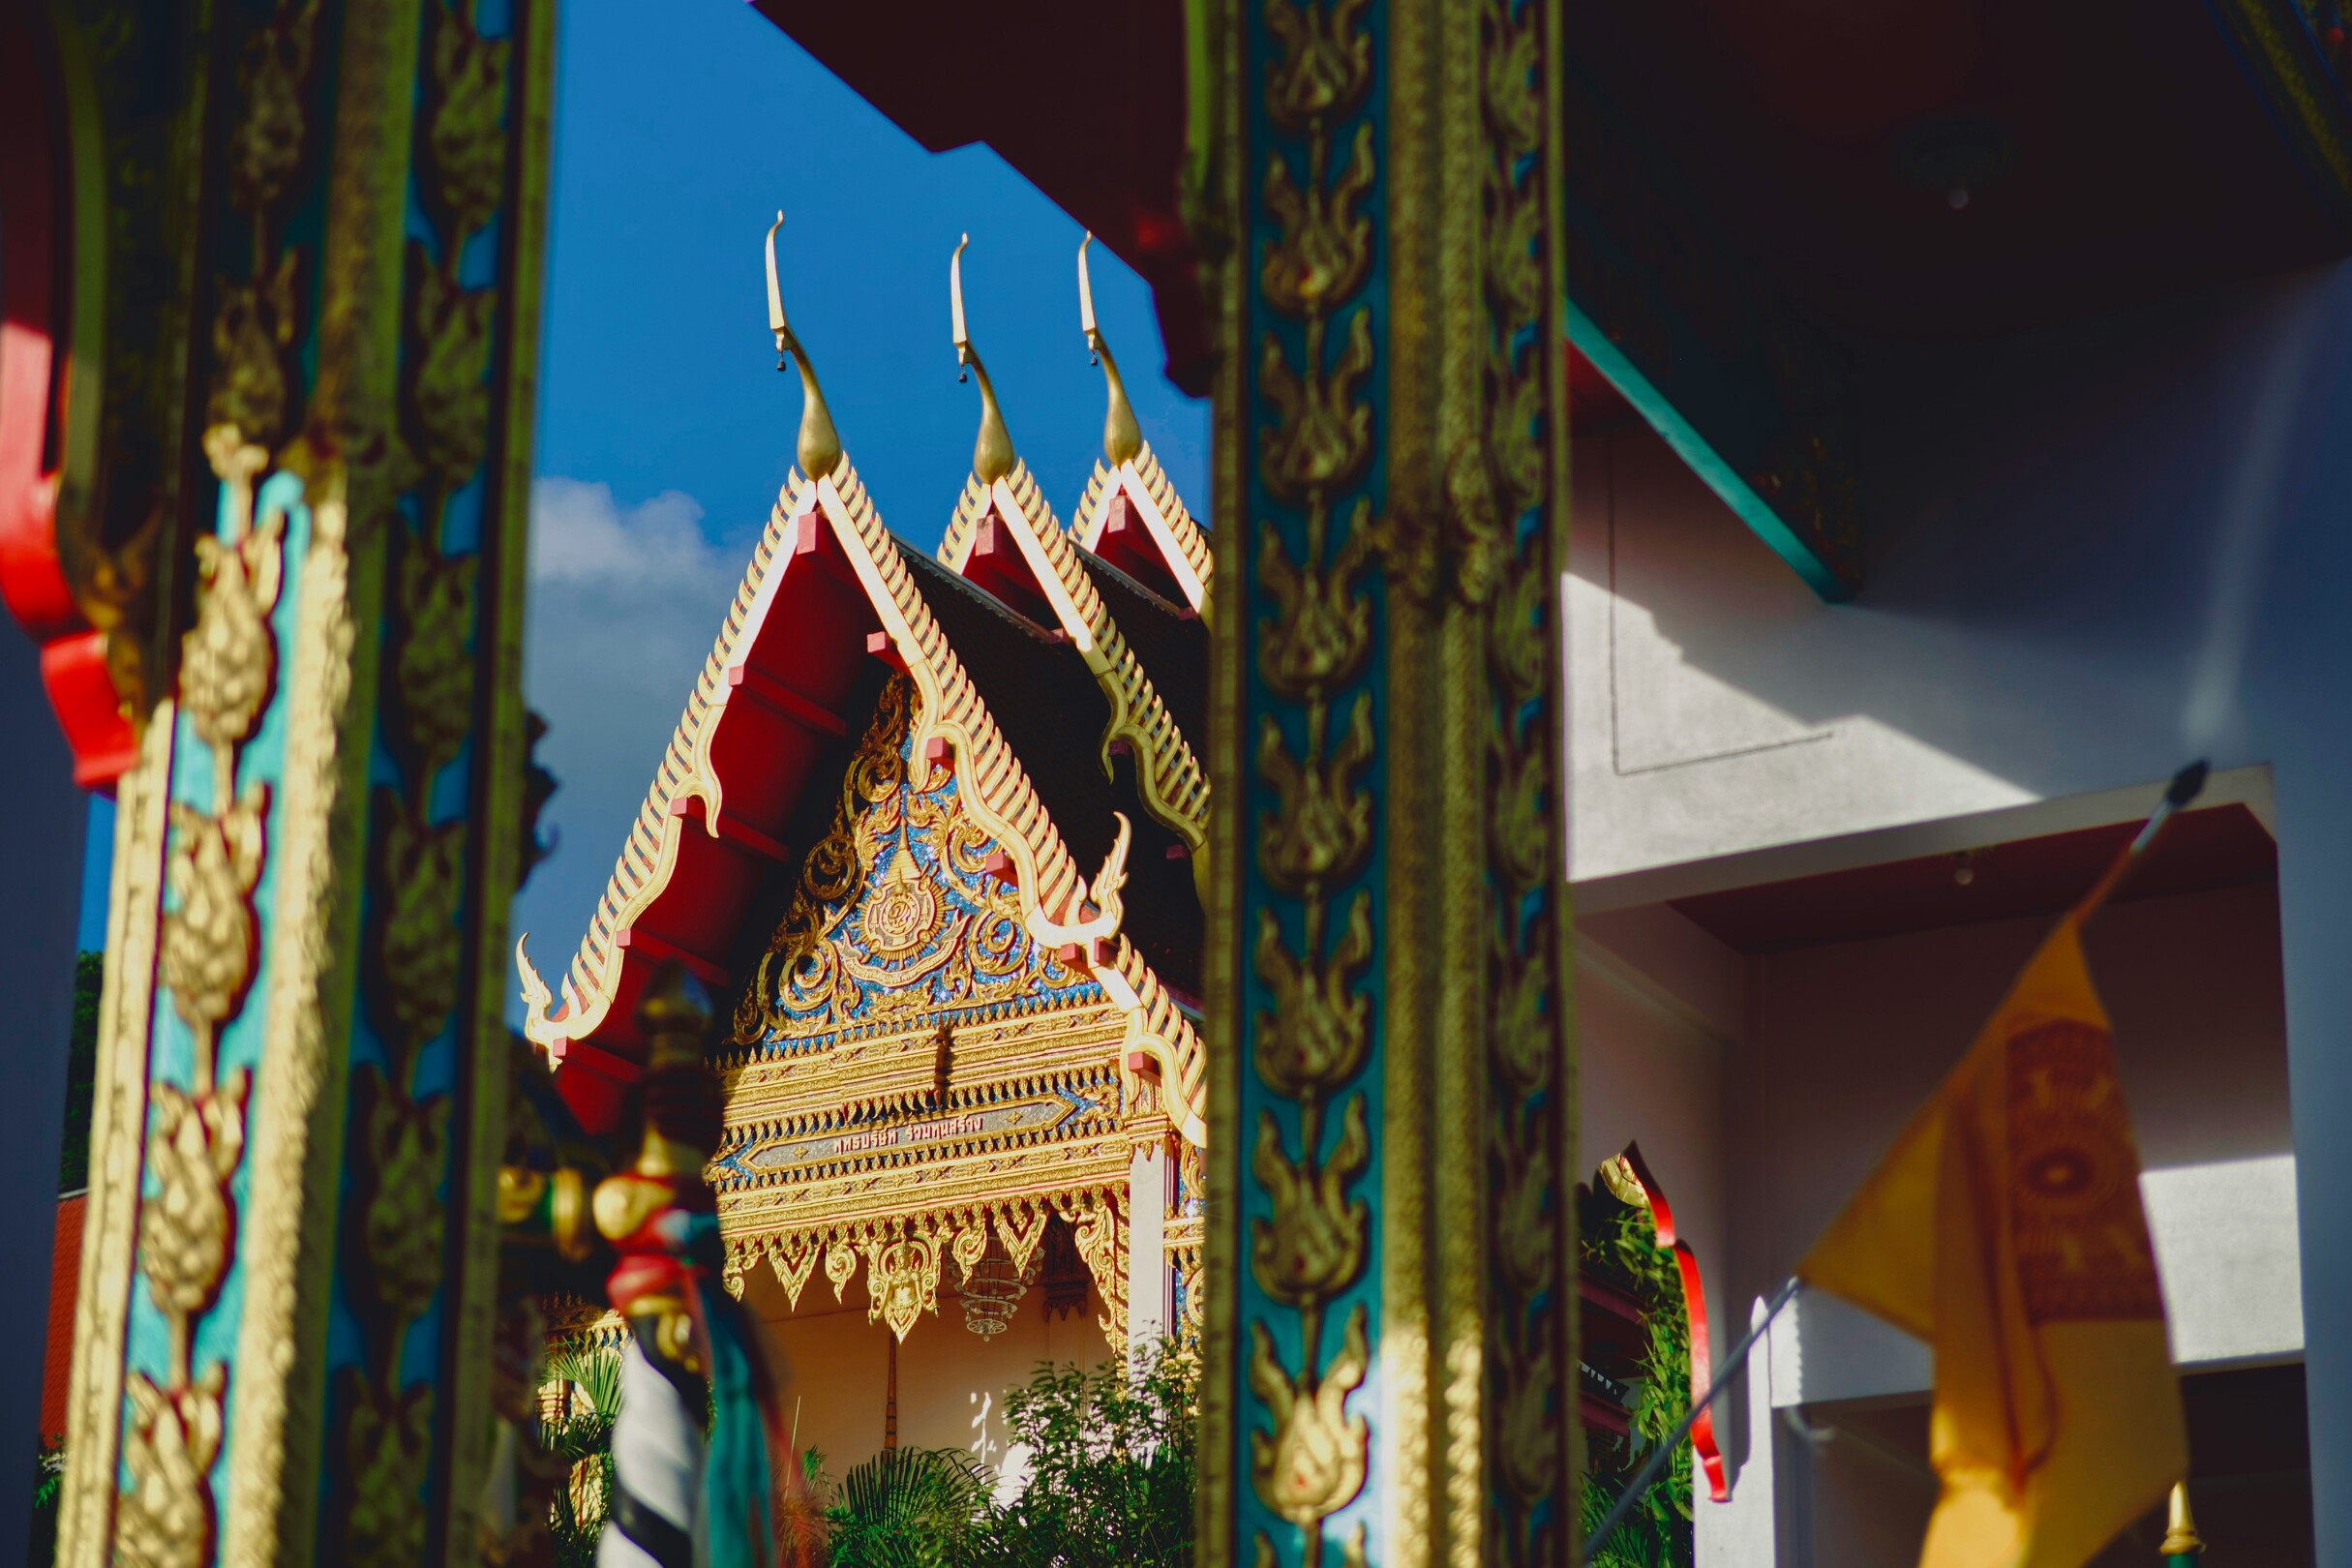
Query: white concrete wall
(1852,1037)
(2060,524)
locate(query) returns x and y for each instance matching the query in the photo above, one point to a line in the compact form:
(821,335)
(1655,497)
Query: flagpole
(2185,786)
(1648,1476)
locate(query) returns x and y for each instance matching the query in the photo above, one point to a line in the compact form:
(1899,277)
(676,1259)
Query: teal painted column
(290,1264)
(1391,1302)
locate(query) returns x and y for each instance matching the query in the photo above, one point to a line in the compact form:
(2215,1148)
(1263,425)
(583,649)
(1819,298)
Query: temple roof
(829,596)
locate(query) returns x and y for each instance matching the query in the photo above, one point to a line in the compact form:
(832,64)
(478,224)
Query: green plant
(1619,1243)
(585,1438)
(1112,1463)
(49,1480)
(909,1508)
(804,1536)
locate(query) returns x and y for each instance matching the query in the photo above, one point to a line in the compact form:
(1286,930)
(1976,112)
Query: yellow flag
(2004,1228)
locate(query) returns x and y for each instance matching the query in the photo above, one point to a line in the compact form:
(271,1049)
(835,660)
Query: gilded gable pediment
(899,919)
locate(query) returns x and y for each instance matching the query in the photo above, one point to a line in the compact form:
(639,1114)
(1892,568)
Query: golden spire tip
(993,455)
(1122,436)
(819,447)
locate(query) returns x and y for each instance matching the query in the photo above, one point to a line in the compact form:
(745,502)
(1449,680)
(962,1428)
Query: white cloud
(624,603)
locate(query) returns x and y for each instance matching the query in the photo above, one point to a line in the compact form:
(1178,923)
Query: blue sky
(665,430)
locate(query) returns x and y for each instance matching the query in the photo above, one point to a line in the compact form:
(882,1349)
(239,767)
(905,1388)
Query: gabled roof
(828,587)
(1132,517)
(1044,566)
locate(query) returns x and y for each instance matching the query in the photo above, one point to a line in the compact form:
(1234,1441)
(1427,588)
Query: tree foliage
(910,1508)
(1619,1244)
(1112,1465)
(1111,1459)
(585,1438)
(1112,1462)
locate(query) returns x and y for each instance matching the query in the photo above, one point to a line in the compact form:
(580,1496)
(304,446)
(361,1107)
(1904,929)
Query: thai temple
(931,822)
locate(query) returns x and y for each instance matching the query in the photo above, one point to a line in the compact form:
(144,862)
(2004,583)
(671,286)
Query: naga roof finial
(992,457)
(1122,437)
(819,448)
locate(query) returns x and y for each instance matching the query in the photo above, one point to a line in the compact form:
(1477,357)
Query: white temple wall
(1853,1037)
(951,1382)
(2060,525)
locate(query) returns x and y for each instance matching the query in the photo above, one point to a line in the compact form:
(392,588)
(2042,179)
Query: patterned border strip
(1181,541)
(1175,789)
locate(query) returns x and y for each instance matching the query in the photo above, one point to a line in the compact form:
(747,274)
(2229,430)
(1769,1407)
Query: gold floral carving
(170,1441)
(1311,754)
(209,937)
(792,1268)
(1319,1027)
(1312,1248)
(1325,65)
(970,1246)
(840,1267)
(1023,1229)
(1508,571)
(833,870)
(184,1229)
(1320,830)
(1098,1225)
(874,939)
(902,1279)
(401,1131)
(1321,628)
(195,1139)
(387,1447)
(1312,1462)
(464,129)
(252,329)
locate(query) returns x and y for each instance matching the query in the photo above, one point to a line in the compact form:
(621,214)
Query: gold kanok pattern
(1314,1459)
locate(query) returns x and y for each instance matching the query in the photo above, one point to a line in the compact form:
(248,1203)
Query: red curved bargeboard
(1694,1303)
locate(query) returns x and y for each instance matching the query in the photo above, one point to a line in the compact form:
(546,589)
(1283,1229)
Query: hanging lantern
(992,1290)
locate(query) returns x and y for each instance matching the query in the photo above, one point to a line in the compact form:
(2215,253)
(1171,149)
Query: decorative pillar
(291,1259)
(1390,1317)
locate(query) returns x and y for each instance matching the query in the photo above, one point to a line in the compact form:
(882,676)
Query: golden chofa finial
(992,452)
(819,448)
(1122,437)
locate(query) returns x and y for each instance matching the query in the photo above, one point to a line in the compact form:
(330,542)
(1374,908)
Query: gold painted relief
(1510,573)
(897,917)
(1314,1459)
(924,1070)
